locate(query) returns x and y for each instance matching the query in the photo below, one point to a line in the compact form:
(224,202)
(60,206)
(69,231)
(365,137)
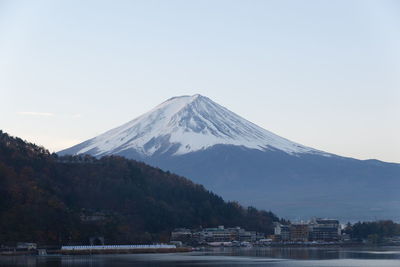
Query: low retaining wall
(118,247)
(124,251)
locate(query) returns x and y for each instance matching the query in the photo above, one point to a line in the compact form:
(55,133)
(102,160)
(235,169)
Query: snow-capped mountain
(197,138)
(183,125)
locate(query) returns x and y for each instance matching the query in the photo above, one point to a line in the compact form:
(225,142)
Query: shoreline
(59,252)
(97,252)
(125,251)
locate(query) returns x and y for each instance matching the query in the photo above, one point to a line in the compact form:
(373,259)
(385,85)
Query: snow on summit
(186,124)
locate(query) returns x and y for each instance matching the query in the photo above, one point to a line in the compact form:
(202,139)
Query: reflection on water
(315,253)
(279,257)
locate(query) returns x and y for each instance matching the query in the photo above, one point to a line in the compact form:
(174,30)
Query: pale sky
(325,74)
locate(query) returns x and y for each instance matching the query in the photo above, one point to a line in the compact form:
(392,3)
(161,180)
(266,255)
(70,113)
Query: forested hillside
(375,232)
(66,200)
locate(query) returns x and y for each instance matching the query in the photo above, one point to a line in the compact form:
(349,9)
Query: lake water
(277,257)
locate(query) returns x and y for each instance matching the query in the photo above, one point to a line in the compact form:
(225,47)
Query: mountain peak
(185,124)
(183,100)
(189,98)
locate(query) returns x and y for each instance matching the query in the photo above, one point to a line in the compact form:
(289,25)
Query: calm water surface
(279,257)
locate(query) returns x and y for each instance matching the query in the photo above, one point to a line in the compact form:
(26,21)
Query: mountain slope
(195,137)
(296,187)
(59,200)
(183,125)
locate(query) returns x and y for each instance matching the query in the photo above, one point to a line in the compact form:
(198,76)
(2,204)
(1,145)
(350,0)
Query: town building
(26,246)
(299,232)
(217,234)
(324,230)
(181,234)
(281,232)
(316,230)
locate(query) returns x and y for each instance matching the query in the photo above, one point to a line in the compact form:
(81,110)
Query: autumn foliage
(66,200)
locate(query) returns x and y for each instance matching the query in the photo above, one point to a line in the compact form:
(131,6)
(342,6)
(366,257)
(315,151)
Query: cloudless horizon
(325,74)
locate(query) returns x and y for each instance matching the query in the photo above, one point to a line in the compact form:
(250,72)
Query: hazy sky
(322,73)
